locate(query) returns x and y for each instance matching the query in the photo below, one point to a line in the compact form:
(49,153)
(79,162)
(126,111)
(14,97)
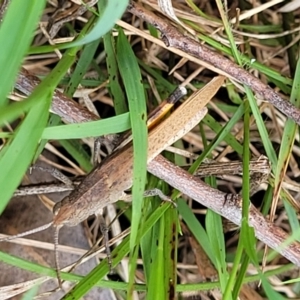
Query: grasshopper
(106,183)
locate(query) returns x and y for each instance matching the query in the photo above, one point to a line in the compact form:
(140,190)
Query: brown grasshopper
(108,181)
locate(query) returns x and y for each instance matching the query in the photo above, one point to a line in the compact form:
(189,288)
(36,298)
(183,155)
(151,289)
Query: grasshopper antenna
(57,268)
(38,229)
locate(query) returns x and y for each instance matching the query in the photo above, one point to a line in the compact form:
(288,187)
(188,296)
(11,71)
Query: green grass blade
(53,120)
(170,248)
(123,249)
(270,292)
(273,75)
(82,66)
(226,135)
(238,58)
(16,34)
(195,227)
(115,88)
(30,294)
(76,150)
(131,76)
(287,143)
(19,152)
(215,234)
(113,11)
(17,155)
(221,135)
(160,80)
(233,47)
(247,238)
(90,129)
(241,276)
(12,111)
(156,279)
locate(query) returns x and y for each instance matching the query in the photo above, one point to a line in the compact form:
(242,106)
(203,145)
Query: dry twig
(173,38)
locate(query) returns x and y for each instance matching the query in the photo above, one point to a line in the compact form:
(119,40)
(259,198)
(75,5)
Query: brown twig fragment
(195,188)
(62,105)
(173,38)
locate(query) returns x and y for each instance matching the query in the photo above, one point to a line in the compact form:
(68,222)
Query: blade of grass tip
(18,27)
(26,265)
(286,146)
(132,80)
(233,94)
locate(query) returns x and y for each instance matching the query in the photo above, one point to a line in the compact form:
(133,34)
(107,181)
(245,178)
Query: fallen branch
(173,38)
